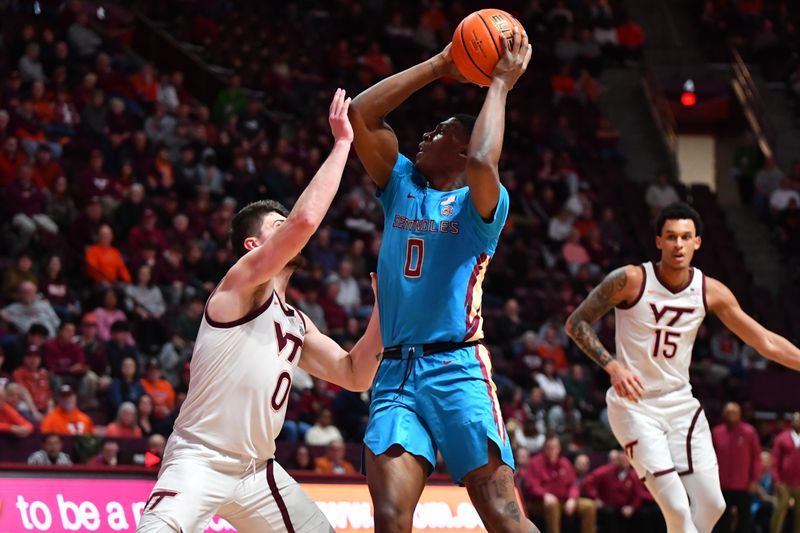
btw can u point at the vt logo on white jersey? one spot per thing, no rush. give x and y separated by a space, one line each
667 338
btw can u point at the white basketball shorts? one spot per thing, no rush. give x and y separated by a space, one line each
195 483
663 434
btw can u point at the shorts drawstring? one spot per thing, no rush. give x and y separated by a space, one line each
406 373
251 466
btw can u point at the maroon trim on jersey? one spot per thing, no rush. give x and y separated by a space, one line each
690 470
276 495
625 305
473 325
705 302
245 319
287 309
679 289
664 472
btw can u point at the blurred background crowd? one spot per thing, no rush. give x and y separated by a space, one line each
118 184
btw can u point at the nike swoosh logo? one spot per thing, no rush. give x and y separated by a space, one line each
411 196
447 362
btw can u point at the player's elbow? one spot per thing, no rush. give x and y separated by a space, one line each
570 325
304 222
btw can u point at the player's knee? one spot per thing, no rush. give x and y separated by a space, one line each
389 513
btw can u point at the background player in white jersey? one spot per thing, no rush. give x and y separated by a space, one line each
219 459
660 425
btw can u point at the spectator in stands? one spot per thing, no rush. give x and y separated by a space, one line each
30 67
786 475
82 39
60 205
22 271
11 421
179 349
615 489
631 39
65 418
739 458
67 363
549 348
528 436
764 497
310 306
29 310
104 263
26 205
108 456
349 295
12 157
18 397
301 459
34 378
565 420
560 227
782 197
333 462
551 491
230 101
94 349
578 384
96 182
323 432
158 389
156 444
127 387
582 465
50 454
45 169
550 383
145 303
57 291
335 314
660 194
124 426
767 181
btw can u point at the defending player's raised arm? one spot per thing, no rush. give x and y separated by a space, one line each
774 347
620 286
324 359
375 141
486 141
261 264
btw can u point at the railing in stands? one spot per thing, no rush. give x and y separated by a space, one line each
752 105
662 115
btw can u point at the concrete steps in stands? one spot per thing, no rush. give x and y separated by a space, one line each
754 240
623 101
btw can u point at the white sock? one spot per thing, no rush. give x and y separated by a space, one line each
671 497
706 498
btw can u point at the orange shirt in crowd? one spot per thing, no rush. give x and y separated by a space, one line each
163 396
555 354
116 430
630 35
146 89
9 166
104 264
38 384
562 84
10 417
323 465
76 422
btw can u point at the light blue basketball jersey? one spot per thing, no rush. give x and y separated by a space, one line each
433 258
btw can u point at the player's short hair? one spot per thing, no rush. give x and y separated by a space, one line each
247 222
679 211
467 121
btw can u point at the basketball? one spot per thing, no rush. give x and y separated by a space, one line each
477 43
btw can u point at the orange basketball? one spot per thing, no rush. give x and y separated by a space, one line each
477 45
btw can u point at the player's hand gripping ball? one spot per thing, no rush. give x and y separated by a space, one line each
478 43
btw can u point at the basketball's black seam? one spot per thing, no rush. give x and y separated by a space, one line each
466 50
499 55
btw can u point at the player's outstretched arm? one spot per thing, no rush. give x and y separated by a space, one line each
774 347
620 286
486 141
324 359
262 263
375 141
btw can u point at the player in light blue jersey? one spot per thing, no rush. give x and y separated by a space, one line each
444 213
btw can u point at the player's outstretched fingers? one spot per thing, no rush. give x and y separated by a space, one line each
332 108
517 44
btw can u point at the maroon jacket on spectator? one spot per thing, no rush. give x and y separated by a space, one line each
59 356
146 233
786 460
606 484
541 477
738 455
24 197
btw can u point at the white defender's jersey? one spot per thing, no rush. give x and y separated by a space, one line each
241 377
655 334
